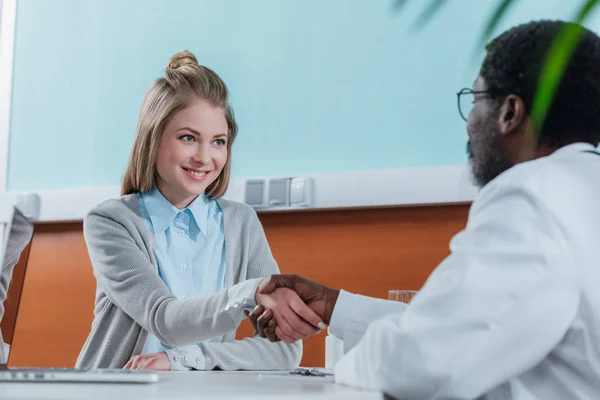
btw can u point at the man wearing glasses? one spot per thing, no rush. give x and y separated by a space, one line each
514 311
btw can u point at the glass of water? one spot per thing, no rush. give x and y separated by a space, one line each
404 296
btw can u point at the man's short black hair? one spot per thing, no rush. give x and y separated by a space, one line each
513 65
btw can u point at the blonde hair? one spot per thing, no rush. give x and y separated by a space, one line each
185 80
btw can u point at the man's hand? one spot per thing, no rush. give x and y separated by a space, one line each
294 318
260 320
154 361
319 298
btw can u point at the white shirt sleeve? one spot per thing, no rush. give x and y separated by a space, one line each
353 314
493 309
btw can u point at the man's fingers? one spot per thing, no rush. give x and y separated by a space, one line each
270 331
269 286
128 365
266 316
253 316
258 310
263 321
307 314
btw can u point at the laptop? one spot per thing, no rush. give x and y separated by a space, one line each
18 237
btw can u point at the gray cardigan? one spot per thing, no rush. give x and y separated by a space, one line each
132 300
19 236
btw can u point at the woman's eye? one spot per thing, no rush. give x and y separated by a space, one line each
187 138
220 142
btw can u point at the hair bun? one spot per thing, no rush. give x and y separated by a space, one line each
182 58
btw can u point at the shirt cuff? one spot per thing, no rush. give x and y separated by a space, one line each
185 359
341 314
242 298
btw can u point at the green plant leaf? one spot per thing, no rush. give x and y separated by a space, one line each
556 63
495 18
427 14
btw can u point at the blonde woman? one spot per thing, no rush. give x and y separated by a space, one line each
177 266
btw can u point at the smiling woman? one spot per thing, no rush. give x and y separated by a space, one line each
185 123
175 264
192 152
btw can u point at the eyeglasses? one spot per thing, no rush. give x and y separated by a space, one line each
466 102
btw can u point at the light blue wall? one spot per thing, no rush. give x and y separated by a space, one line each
317 85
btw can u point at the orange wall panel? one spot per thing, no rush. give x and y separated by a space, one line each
365 251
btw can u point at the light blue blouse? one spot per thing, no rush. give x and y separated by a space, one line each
190 248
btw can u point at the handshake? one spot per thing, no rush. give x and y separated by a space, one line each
291 308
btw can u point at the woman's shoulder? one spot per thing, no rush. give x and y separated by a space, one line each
236 209
119 209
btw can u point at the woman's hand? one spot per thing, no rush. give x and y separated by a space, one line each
295 320
154 361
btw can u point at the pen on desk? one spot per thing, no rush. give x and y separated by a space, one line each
286 377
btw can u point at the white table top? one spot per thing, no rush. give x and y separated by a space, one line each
196 384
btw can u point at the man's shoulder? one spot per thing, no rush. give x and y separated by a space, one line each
535 176
545 182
